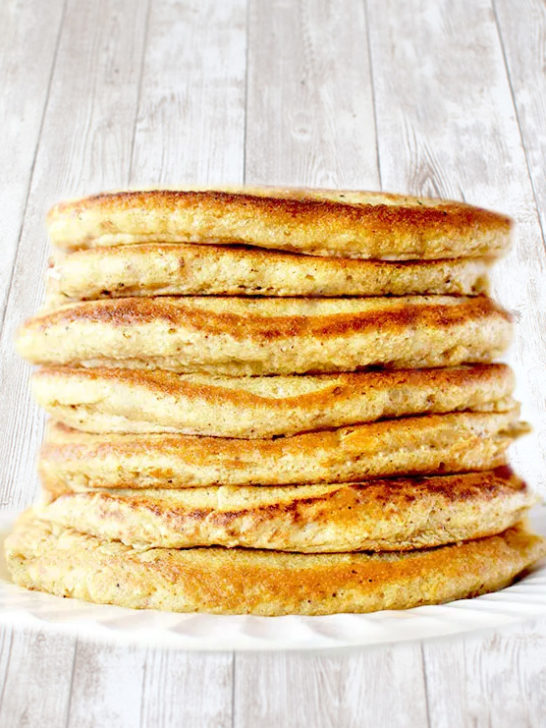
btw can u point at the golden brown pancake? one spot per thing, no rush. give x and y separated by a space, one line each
415 445
381 515
245 336
162 269
372 225
63 561
126 400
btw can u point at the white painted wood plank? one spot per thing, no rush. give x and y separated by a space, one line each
89 703
192 103
24 80
36 682
85 146
6 636
193 690
495 680
309 104
447 126
382 687
522 28
106 686
190 128
310 121
305 682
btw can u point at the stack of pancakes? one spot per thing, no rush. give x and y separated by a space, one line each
273 401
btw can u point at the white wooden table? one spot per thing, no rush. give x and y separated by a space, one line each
426 96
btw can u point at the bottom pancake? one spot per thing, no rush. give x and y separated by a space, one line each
238 581
383 515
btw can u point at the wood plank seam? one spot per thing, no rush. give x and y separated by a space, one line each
428 676
245 120
129 175
3 690
425 681
139 90
372 86
31 175
233 677
70 689
143 684
516 112
247 32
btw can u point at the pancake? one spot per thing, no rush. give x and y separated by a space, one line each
125 400
317 222
163 269
414 445
381 515
62 561
244 336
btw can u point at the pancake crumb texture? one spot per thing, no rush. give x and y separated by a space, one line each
417 445
65 562
273 401
382 515
372 225
245 336
168 270
146 401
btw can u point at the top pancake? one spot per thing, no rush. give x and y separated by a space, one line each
369 225
246 336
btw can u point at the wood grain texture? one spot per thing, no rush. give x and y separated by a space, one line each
190 125
522 30
86 139
309 114
24 79
106 686
496 679
311 123
190 128
345 690
190 689
6 639
156 92
35 674
85 144
450 129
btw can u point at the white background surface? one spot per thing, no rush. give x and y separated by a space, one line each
431 97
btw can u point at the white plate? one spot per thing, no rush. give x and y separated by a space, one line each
524 599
